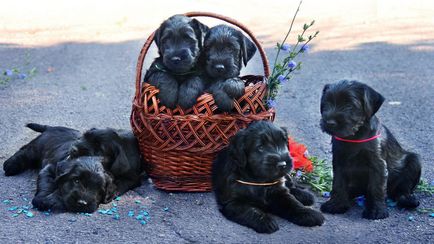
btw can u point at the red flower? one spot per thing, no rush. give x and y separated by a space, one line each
298 154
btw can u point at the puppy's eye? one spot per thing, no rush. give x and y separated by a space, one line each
260 148
76 181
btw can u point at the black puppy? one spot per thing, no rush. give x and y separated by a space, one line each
225 50
121 150
367 159
179 40
250 180
64 184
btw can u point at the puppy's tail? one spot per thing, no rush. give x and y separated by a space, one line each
37 127
407 182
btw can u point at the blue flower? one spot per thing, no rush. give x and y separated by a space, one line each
285 47
432 183
298 173
305 48
8 72
22 76
326 194
282 79
271 103
360 201
292 64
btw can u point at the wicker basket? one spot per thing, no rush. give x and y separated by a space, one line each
180 145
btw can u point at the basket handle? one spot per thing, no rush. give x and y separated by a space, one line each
198 14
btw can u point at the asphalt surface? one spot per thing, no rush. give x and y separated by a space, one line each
84 85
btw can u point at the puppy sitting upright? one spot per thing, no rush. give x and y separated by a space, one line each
179 40
367 159
250 180
225 50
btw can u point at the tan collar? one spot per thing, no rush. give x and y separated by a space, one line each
260 183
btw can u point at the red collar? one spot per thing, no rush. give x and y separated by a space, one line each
358 141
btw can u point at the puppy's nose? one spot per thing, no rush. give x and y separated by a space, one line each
281 164
82 202
219 68
175 58
331 123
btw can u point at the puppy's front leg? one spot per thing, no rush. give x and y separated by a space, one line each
376 195
234 87
339 201
47 195
221 98
283 204
168 87
245 214
302 195
189 91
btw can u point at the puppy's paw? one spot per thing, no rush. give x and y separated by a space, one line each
41 204
225 105
408 202
265 225
308 217
168 100
305 197
186 102
234 87
375 213
11 167
334 207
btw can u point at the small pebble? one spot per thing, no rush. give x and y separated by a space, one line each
22 76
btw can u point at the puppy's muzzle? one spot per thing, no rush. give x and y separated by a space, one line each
219 68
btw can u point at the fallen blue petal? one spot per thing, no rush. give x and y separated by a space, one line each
166 209
139 217
360 201
410 218
137 201
15 215
30 214
47 213
8 72
6 201
12 208
390 203
22 76
117 198
116 217
114 204
131 213
326 194
145 213
431 215
142 222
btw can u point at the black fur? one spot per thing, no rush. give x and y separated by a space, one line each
225 51
79 182
179 40
260 154
121 149
376 168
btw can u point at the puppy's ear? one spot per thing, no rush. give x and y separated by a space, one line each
157 35
63 168
324 90
237 149
109 188
248 48
285 132
120 162
200 30
326 87
372 101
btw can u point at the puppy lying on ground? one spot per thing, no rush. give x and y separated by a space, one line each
225 50
367 159
250 180
79 182
179 40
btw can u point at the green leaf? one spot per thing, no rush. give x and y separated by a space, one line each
300 38
305 27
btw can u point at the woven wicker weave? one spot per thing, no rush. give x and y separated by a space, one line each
179 145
